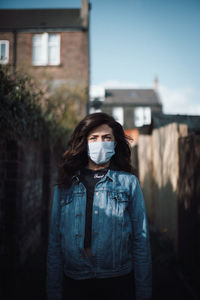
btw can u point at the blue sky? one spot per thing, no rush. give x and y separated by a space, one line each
132 41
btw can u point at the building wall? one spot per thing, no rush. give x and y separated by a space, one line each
73 71
107 109
129 121
74 66
129 117
23 50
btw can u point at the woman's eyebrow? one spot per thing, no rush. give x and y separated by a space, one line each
93 135
106 135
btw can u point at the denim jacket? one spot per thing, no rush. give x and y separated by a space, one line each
120 237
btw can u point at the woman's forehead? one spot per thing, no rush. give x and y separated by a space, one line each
102 129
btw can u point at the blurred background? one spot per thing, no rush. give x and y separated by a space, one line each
136 60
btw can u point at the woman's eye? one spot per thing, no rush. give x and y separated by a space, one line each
108 138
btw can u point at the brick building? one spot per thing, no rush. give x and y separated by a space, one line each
48 42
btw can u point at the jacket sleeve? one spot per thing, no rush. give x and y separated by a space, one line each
142 261
54 276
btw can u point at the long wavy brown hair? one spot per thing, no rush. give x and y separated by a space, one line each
76 155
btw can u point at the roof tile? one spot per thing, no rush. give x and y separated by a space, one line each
39 18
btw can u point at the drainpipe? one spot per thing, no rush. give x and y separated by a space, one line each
85 17
14 50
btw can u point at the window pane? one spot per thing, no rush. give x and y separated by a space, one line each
3 51
138 116
54 38
118 114
40 49
142 116
93 110
37 50
46 49
147 115
37 39
52 54
54 49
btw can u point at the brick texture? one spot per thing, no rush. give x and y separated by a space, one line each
74 60
74 66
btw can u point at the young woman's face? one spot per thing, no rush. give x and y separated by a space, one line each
102 133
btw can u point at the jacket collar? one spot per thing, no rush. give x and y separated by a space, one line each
110 174
75 177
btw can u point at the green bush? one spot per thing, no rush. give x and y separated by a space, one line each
21 112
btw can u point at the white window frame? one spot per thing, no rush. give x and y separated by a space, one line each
93 110
45 44
142 116
118 114
6 60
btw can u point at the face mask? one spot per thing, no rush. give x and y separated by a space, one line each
101 152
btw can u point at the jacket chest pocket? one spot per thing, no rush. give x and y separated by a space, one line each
69 207
71 203
118 203
66 203
66 199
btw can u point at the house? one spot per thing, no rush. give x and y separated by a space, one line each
49 42
132 108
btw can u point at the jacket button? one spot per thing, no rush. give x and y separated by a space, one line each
78 235
79 215
96 212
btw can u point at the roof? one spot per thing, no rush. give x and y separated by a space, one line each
33 19
132 96
192 122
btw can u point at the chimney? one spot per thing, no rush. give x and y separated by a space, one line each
84 13
155 83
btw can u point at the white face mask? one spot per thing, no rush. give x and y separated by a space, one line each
101 152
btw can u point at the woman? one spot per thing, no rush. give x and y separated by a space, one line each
99 240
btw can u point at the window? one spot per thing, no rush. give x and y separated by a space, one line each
46 49
4 52
93 110
118 114
142 116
